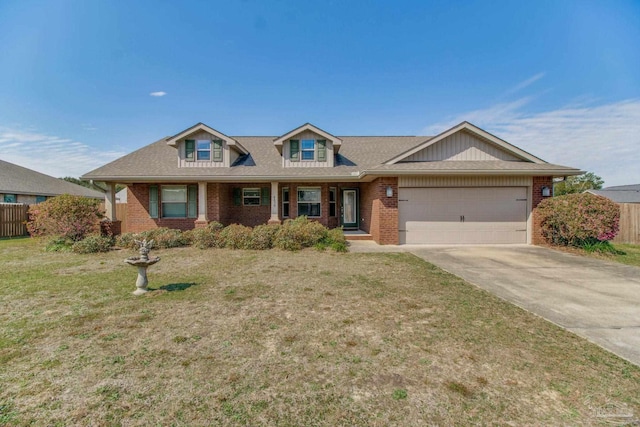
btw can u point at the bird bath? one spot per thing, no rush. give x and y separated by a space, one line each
142 262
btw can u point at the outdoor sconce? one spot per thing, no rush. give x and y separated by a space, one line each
546 192
389 191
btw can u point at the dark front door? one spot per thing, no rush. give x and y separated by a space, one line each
349 209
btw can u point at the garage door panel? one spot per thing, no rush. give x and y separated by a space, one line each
463 215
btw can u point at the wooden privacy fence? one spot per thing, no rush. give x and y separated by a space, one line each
13 219
629 224
121 215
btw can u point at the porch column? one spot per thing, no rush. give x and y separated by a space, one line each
110 201
202 204
111 225
275 203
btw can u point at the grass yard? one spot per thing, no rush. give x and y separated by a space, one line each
626 253
285 339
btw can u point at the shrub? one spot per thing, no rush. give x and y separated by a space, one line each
334 239
299 233
236 236
578 219
126 240
59 244
71 217
203 238
262 236
93 244
164 237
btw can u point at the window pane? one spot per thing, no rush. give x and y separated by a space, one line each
315 209
308 144
174 193
204 144
251 192
309 195
174 210
285 194
204 155
303 209
307 155
285 209
10 198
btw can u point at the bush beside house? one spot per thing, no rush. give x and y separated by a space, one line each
580 220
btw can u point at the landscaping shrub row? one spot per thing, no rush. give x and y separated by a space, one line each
292 235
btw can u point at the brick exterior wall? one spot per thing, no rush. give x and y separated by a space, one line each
380 213
538 183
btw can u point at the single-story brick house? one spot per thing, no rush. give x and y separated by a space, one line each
464 185
26 186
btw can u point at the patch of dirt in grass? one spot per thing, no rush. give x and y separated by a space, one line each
279 338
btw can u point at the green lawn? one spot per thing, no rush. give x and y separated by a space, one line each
278 338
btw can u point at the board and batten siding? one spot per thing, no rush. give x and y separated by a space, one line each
464 181
286 153
183 163
461 146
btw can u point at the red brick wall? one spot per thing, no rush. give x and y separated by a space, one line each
380 213
538 183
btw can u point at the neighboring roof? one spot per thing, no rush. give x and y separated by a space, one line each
620 193
469 127
16 179
359 156
121 196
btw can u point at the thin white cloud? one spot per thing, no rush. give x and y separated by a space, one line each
604 139
526 83
51 155
160 93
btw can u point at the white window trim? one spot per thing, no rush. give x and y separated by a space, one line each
198 150
185 203
319 202
258 197
308 150
287 202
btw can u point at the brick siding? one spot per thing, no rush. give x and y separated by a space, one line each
538 182
380 213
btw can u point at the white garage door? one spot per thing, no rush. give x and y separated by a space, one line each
463 215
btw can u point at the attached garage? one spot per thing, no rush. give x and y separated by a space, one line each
463 215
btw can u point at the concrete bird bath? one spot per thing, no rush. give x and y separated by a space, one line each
142 262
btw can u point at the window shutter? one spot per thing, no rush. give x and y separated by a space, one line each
216 147
265 199
322 150
153 201
294 150
237 196
192 201
190 150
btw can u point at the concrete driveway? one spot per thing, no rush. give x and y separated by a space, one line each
595 299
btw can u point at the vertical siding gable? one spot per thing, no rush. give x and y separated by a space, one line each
224 151
462 146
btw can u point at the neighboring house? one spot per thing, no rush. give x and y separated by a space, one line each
121 196
620 193
628 198
462 186
22 185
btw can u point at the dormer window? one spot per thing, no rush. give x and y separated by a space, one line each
308 150
204 149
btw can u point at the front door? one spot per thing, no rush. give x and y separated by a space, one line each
349 209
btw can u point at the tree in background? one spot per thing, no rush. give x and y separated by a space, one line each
578 184
90 185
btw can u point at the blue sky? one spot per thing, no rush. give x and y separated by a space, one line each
560 79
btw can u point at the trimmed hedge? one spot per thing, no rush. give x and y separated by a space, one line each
293 235
579 219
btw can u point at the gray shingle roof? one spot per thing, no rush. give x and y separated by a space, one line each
620 194
16 179
358 154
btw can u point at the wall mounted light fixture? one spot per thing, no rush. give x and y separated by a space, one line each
546 192
389 191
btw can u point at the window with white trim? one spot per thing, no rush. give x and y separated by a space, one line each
333 191
308 149
203 147
178 201
251 196
309 201
285 202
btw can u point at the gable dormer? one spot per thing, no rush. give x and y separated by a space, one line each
203 146
464 142
308 146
